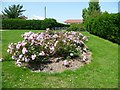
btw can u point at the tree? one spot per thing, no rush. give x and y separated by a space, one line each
93 6
13 11
92 11
84 13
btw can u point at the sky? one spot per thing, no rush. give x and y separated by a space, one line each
60 11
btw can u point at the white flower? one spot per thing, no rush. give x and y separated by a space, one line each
1 59
42 53
71 54
52 49
20 56
85 38
73 32
24 50
8 50
31 37
64 41
85 49
18 63
39 37
33 57
23 59
18 46
23 43
84 58
10 46
13 57
47 29
27 59
55 43
25 37
55 36
35 35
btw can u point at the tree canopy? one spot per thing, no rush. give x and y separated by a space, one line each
92 11
13 11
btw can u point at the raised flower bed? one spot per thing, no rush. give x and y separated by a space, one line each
50 51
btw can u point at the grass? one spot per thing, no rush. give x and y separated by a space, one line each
102 72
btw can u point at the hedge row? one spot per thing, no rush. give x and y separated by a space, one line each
105 26
76 27
30 24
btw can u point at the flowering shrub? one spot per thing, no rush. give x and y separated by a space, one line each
38 46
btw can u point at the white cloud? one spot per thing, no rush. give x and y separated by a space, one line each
36 18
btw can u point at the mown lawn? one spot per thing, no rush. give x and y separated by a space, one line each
102 72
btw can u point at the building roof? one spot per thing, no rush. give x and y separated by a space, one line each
73 21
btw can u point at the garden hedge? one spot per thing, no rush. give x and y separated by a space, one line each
105 26
76 27
30 24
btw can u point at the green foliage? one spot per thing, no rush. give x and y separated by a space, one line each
93 6
21 24
92 11
106 26
84 13
48 23
102 72
76 27
13 11
30 24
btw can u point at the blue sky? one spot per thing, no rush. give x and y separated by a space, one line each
61 11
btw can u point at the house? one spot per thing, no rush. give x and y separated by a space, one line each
70 21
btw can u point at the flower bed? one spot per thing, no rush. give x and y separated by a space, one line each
40 47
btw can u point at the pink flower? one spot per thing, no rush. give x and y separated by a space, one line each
20 56
42 53
24 50
51 48
27 59
33 57
18 46
23 44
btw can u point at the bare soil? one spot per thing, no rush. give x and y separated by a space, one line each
57 64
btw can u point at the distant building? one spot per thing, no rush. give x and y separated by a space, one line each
70 21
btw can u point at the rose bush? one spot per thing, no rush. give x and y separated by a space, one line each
40 46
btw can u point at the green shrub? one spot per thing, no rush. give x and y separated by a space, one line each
105 26
40 46
76 27
21 24
48 23
30 24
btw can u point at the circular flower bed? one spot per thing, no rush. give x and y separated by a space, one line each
49 47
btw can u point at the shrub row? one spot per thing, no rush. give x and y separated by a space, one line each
30 24
105 26
76 27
